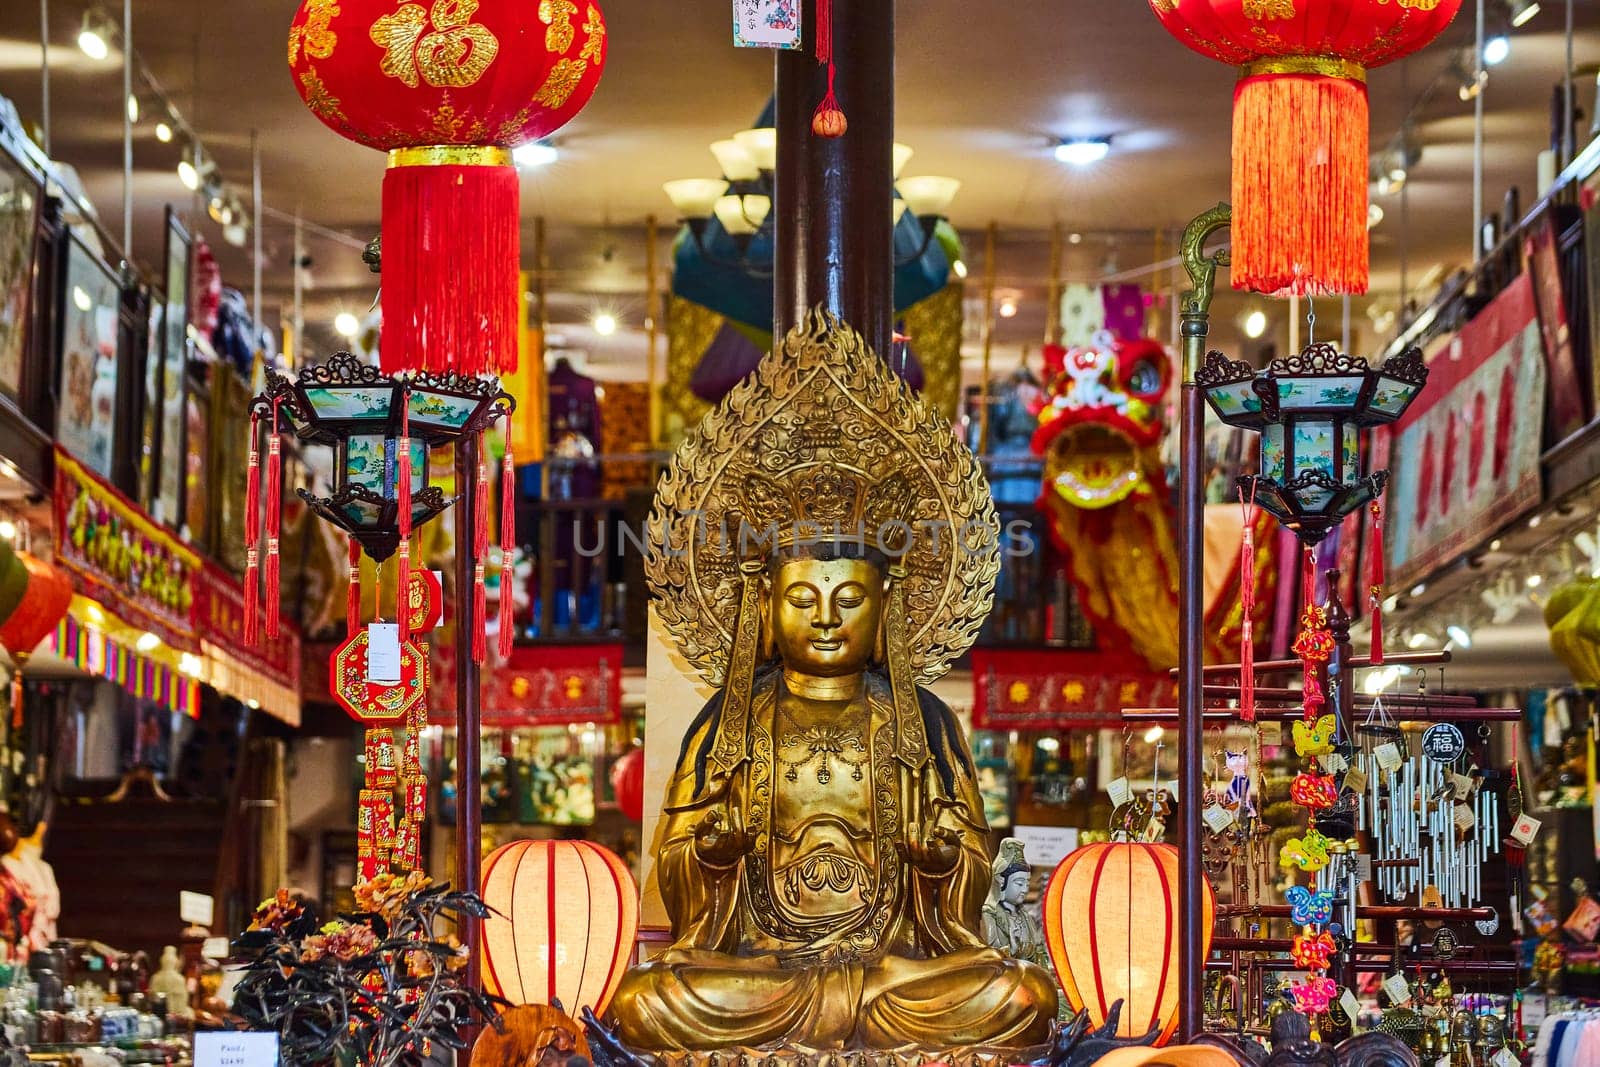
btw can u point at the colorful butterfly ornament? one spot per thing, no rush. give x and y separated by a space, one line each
1313 951
1309 907
1309 853
1314 791
1315 738
1314 995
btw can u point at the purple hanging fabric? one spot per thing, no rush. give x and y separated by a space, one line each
1124 311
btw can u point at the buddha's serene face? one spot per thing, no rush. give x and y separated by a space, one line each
1016 888
825 615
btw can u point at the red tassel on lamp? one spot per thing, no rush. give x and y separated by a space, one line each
252 535
274 520
1300 126
508 537
352 604
402 589
1375 581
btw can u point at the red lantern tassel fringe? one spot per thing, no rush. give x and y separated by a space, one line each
1247 609
1375 582
252 535
402 588
352 604
1300 184
274 518
829 119
451 249
480 549
508 537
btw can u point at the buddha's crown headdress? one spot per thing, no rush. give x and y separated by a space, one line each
821 504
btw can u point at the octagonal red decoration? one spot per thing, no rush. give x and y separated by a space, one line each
448 88
376 703
1300 125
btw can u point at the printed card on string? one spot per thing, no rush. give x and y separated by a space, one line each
1388 757
1218 818
766 24
1397 988
1119 791
1351 1006
1525 830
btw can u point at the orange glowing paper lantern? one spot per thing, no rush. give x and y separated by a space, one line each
1111 924
566 916
448 88
1300 125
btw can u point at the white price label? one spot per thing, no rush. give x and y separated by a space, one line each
223 1048
1388 757
1351 1006
1525 829
1506 1058
1397 989
1119 791
1333 763
383 652
1218 818
1363 868
1463 785
1464 819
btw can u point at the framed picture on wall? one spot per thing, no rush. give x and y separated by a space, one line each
197 481
91 299
150 403
21 194
172 466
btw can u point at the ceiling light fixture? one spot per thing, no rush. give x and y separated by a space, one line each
148 642
1083 151
1154 734
604 323
960 268
346 325
8 529
1074 238
1374 215
94 39
1419 639
1496 50
1460 635
163 133
534 154
1535 581
188 175
1255 324
1522 11
133 108
1008 308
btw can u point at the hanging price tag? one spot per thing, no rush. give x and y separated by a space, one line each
1155 831
383 652
1525 829
1218 818
1388 757
1333 763
1463 785
1505 1058
1397 989
1464 819
1351 1006
766 24
1355 780
1363 868
1119 792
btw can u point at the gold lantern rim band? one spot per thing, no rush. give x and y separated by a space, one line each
450 155
1326 66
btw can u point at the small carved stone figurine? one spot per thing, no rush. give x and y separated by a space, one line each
1008 924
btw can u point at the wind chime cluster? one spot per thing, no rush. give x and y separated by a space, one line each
382 430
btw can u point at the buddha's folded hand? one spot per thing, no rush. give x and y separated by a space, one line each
718 845
934 852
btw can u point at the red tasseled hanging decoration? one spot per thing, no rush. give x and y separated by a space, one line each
352 604
451 249
1375 582
508 537
402 594
252 535
1247 608
829 119
480 549
1300 183
17 690
274 519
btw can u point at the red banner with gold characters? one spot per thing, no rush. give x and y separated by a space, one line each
219 617
121 557
1061 689
541 685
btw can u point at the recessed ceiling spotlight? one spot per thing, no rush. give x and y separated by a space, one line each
604 323
1522 11
960 268
346 325
1008 308
94 39
1255 324
534 154
1496 50
1081 152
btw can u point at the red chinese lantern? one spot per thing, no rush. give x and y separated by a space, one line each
565 919
1300 125
448 89
46 596
1111 923
627 780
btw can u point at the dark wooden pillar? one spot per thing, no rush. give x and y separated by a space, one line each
834 230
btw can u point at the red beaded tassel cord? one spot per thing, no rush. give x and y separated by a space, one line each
274 520
352 602
829 119
252 535
1375 581
1247 607
480 549
402 588
508 538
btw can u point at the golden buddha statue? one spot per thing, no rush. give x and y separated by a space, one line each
821 544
